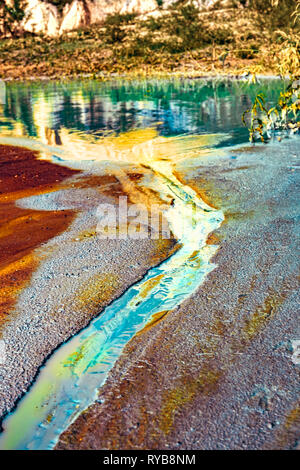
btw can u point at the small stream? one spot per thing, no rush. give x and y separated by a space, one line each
68 382
70 379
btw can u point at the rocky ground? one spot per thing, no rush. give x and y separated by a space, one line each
219 371
55 274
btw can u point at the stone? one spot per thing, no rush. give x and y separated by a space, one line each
41 17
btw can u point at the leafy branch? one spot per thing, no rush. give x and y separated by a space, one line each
285 115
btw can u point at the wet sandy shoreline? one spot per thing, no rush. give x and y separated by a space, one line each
22 174
218 372
56 274
219 75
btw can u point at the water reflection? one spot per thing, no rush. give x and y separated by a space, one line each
42 110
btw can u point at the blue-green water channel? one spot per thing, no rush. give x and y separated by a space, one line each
43 115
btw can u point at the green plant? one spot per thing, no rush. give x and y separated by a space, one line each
184 30
273 14
247 52
285 115
115 26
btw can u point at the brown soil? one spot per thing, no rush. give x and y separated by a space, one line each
23 230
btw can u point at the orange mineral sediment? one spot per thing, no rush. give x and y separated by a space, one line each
22 174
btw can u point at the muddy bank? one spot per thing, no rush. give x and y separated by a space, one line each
218 372
56 275
21 230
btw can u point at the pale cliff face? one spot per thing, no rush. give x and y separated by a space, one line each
80 13
43 17
75 15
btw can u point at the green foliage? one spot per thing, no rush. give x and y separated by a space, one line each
115 26
284 116
11 16
180 38
257 112
184 30
247 52
273 14
184 25
178 30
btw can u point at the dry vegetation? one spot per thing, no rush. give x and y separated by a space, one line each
247 36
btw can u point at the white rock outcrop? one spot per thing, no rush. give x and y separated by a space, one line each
74 16
41 17
140 6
